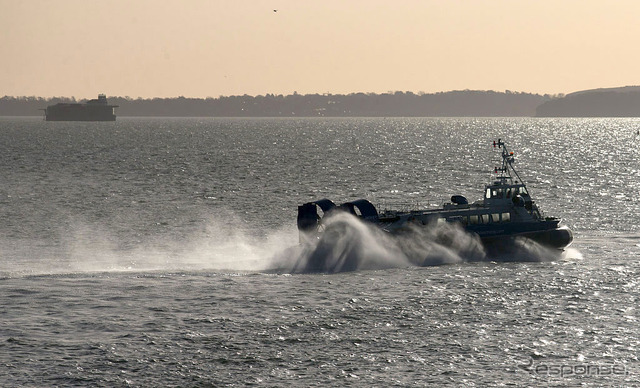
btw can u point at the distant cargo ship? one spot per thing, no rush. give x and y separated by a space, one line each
93 110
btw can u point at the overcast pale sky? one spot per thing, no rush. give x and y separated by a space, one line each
200 48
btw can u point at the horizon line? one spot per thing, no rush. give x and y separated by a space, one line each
295 93
419 93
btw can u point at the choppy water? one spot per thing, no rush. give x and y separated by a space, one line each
139 253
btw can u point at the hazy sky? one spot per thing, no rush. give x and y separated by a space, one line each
196 48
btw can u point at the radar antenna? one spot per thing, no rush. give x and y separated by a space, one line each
506 168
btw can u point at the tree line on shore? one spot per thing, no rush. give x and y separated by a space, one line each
455 103
619 102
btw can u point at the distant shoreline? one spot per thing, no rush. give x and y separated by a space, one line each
613 102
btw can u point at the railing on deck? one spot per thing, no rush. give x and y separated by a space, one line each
404 207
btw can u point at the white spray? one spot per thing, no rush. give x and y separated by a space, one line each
228 244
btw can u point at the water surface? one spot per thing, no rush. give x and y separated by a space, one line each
134 253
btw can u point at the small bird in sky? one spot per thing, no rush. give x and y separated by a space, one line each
275 10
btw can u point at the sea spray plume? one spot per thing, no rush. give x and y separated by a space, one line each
226 243
447 243
348 244
220 243
234 247
439 243
572 254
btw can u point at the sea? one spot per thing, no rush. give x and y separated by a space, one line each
160 252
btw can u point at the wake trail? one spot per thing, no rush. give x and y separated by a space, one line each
228 245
